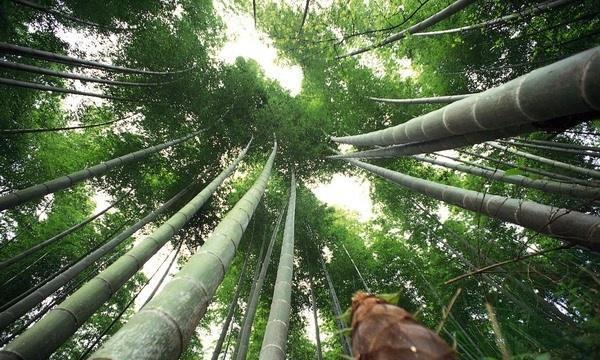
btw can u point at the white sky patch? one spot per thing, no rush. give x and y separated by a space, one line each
349 193
244 40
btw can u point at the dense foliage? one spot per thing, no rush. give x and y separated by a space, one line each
543 304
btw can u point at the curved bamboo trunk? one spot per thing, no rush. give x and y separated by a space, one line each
568 225
430 21
62 234
559 164
4 132
556 187
304 16
60 279
550 147
276 333
451 142
66 75
337 310
567 88
486 24
169 320
42 87
549 175
313 302
231 308
105 331
49 56
56 13
43 338
36 191
241 347
366 287
425 100
556 144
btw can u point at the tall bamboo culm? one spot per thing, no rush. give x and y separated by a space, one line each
164 326
241 346
39 341
567 88
275 339
568 225
63 182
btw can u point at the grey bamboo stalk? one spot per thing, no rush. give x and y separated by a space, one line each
42 87
40 340
568 225
430 21
304 16
313 302
566 88
486 24
39 246
556 187
65 75
424 100
337 310
549 175
170 319
276 333
559 164
41 8
49 56
231 309
550 147
36 191
164 275
356 268
241 347
556 144
451 142
5 132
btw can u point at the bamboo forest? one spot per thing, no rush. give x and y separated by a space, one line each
301 179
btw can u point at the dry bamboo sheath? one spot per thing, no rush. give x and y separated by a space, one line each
44 337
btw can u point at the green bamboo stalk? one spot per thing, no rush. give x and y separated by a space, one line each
562 149
40 340
49 56
549 175
566 88
337 310
36 191
313 302
39 70
568 225
39 246
232 306
486 24
559 164
556 144
430 21
366 287
451 142
24 305
550 186
164 326
241 347
424 100
42 87
56 13
276 333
